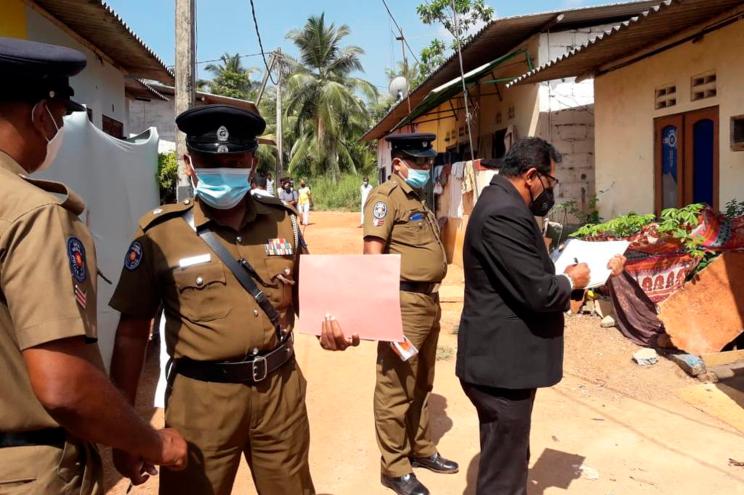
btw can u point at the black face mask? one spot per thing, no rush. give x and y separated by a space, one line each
543 203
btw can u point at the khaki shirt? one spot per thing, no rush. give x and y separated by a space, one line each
395 213
209 315
48 283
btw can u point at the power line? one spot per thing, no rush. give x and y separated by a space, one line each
400 31
260 44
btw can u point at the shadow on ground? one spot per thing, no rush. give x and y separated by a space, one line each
439 422
553 469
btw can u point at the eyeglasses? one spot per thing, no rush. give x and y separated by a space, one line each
554 182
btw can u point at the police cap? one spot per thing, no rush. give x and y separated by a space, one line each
221 129
416 144
33 71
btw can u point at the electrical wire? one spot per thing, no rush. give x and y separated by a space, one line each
260 44
202 62
400 31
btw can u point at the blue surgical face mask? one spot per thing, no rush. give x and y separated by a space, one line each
417 178
222 188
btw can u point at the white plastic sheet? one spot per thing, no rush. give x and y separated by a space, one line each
117 180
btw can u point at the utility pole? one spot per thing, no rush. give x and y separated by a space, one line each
279 135
185 83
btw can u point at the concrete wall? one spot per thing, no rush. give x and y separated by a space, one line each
625 114
100 86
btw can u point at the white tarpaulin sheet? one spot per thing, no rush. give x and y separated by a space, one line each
117 180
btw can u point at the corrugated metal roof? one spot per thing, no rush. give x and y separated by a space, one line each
649 28
101 26
498 38
141 88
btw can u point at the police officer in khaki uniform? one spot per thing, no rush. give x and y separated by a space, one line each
55 399
396 220
234 385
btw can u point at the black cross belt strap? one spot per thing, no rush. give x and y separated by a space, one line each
241 269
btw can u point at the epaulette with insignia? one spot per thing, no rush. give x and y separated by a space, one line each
162 213
386 188
274 201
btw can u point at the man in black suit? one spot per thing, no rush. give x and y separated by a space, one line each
511 333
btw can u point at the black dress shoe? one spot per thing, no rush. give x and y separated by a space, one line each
436 463
404 485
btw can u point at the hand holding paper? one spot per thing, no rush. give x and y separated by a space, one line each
599 256
332 338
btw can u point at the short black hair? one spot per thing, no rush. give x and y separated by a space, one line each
529 153
260 181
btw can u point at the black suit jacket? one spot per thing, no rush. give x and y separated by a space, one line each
511 330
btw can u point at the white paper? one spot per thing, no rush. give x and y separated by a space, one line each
595 254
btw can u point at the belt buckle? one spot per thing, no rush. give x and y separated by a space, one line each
259 369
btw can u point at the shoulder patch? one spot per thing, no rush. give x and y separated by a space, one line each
161 213
380 210
133 257
76 256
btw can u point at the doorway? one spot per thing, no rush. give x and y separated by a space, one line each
686 159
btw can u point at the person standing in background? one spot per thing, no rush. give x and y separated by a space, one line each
270 183
364 191
287 194
304 202
397 221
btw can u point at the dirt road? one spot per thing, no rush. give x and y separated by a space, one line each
609 428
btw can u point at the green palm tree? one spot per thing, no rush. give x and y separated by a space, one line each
324 99
231 78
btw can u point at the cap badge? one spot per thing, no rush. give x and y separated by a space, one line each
222 149
222 134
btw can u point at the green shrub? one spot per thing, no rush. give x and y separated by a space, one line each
167 176
342 195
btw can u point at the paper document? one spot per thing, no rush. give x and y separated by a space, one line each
595 254
361 291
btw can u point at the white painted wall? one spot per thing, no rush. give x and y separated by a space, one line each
100 86
625 114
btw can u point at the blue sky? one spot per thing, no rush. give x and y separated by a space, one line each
227 26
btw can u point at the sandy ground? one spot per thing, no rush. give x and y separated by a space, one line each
622 423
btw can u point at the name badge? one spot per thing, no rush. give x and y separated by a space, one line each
278 247
415 217
194 260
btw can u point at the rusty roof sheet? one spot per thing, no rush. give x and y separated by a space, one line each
96 22
498 38
140 88
651 27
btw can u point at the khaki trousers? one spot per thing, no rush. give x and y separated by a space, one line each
402 387
266 422
74 469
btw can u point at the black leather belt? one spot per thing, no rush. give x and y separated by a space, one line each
251 371
54 437
419 287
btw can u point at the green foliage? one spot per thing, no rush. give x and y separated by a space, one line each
230 78
679 222
734 208
324 108
470 14
675 222
622 226
167 176
341 195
